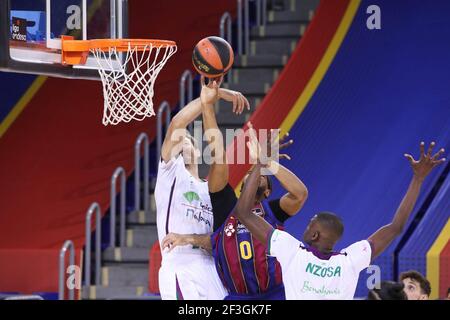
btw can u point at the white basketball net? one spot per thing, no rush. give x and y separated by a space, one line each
128 79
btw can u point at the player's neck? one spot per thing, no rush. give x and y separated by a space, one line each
193 170
320 248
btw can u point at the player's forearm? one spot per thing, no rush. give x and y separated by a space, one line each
289 180
383 237
172 142
247 198
407 205
257 226
212 133
200 240
187 114
218 171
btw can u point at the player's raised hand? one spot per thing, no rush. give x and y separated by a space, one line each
210 92
239 101
253 146
426 162
274 143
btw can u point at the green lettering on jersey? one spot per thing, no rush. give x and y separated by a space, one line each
323 272
337 272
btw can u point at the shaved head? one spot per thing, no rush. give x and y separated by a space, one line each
331 222
324 230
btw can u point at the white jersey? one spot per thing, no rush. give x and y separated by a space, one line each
306 276
183 204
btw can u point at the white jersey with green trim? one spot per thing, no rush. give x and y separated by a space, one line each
183 204
309 277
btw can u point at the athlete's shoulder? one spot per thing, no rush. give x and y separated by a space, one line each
359 254
358 247
176 160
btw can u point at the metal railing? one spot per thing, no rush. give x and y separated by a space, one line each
243 22
24 297
94 208
186 76
261 12
142 138
68 245
119 172
225 22
239 27
164 106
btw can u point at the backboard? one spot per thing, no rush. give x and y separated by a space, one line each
30 33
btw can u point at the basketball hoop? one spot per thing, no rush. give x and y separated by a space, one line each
128 69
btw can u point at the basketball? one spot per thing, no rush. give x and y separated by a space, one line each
212 57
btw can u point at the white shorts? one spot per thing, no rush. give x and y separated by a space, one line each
190 277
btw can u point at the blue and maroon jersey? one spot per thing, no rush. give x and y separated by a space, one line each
241 260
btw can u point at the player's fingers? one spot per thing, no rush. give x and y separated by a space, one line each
166 242
210 83
238 103
438 154
234 105
252 134
241 103
219 81
202 81
409 157
438 162
272 136
430 148
286 144
284 137
246 103
422 149
250 147
284 156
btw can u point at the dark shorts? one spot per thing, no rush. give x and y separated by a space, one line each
276 293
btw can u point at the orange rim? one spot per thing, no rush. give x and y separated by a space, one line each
120 45
77 51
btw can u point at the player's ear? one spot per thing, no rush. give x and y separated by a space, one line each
315 236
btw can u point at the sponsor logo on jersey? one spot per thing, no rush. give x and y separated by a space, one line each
322 271
229 229
205 207
241 228
198 216
191 196
308 288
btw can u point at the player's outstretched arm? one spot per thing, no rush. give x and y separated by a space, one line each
297 193
421 168
173 240
172 144
218 170
257 226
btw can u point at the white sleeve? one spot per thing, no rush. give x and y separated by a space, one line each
170 168
282 246
359 255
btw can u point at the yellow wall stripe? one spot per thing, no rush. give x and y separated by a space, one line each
21 104
433 259
322 68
